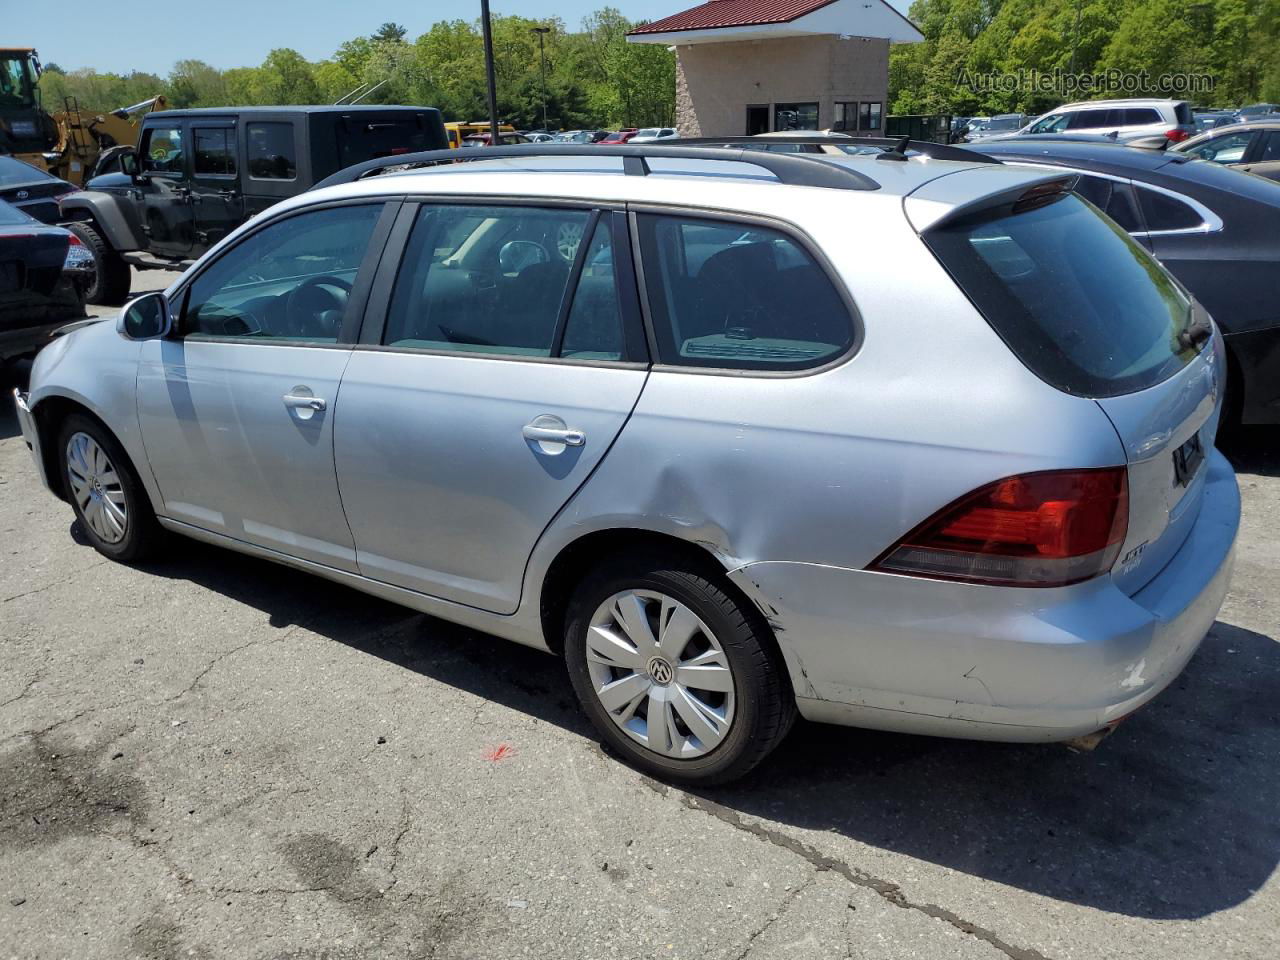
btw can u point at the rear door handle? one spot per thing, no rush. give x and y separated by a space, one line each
307 403
567 436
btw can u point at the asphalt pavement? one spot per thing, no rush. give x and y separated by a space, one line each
214 756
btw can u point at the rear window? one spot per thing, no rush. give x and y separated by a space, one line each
11 215
16 173
361 139
1072 295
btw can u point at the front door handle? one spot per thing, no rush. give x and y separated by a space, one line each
306 403
567 436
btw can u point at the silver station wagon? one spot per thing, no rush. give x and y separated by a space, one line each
914 444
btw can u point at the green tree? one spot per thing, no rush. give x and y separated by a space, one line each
194 83
285 77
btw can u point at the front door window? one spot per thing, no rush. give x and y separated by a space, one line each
162 151
290 281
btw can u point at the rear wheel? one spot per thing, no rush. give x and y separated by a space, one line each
679 676
110 283
105 492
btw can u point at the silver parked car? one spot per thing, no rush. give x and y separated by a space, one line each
948 470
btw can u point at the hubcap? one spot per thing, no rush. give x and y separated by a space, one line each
660 673
97 488
568 236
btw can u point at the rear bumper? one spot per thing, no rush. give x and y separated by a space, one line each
27 423
950 659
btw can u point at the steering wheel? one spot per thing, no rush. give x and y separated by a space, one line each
309 300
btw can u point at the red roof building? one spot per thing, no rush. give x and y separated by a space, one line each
757 66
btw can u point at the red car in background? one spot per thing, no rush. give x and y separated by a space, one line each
620 136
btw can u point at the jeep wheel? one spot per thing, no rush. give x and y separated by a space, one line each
110 283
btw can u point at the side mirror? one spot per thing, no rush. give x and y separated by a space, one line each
147 318
129 164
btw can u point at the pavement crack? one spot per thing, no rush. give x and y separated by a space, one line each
774 917
25 690
223 656
66 578
887 890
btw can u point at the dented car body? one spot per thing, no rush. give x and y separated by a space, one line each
475 386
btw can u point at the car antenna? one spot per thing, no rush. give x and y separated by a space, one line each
898 153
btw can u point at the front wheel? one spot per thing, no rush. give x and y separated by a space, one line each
111 279
679 676
105 492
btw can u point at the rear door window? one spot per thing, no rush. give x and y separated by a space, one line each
1071 294
1088 119
215 151
739 295
507 280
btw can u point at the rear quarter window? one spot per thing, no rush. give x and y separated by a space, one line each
1080 303
1163 212
739 296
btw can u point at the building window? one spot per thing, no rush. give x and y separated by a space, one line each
846 117
757 119
795 116
869 116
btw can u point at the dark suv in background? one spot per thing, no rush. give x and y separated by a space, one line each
196 175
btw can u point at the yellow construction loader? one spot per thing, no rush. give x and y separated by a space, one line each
67 143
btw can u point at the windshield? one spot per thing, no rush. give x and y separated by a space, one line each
16 88
1073 296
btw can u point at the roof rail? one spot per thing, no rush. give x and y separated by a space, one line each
790 168
936 151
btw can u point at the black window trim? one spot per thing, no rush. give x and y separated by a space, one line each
378 305
792 232
356 304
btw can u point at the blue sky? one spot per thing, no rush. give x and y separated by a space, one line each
230 33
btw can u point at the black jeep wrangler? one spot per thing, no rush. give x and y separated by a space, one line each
196 175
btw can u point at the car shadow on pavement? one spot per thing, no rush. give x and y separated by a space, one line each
1172 817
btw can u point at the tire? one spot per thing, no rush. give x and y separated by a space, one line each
742 721
94 481
111 279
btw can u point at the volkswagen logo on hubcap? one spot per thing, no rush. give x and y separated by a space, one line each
660 671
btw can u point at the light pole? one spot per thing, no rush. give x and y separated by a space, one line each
542 55
488 70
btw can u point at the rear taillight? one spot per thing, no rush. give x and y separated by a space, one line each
75 241
1032 530
1175 135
